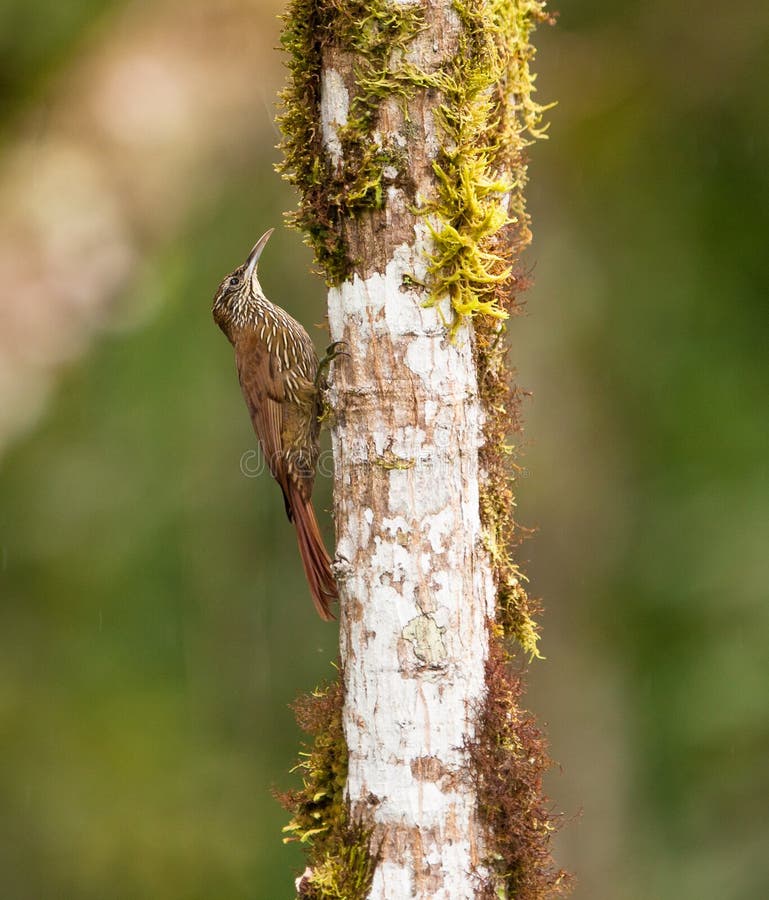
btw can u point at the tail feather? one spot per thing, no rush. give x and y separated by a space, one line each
315 558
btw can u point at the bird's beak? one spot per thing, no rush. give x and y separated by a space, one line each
252 262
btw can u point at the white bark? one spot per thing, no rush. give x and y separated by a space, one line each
416 586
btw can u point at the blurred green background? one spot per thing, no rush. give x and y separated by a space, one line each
154 623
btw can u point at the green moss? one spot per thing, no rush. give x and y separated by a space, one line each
493 120
337 850
487 117
501 399
389 460
479 225
477 217
371 30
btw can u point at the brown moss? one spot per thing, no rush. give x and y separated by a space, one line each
509 758
338 857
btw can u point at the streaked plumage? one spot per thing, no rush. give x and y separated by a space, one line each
277 366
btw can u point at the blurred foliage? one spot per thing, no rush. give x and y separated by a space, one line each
657 182
149 651
35 37
154 623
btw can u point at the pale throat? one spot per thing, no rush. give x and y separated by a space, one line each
250 307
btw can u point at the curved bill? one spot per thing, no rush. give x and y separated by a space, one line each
253 259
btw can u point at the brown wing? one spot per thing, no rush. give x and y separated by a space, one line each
263 394
282 408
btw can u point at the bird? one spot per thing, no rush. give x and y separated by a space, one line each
281 379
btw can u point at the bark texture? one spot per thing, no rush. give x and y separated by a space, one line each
404 128
417 587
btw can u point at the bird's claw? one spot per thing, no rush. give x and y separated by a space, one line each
332 352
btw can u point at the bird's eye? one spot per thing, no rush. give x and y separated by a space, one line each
234 281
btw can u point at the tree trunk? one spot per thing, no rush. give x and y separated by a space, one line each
403 131
417 585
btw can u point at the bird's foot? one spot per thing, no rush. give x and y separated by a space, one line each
332 352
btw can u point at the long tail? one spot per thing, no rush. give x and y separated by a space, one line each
315 559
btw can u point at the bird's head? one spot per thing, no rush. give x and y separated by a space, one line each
239 289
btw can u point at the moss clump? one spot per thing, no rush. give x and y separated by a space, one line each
341 867
501 399
480 226
488 117
509 756
372 30
491 118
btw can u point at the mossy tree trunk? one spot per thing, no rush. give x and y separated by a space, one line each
403 129
417 583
